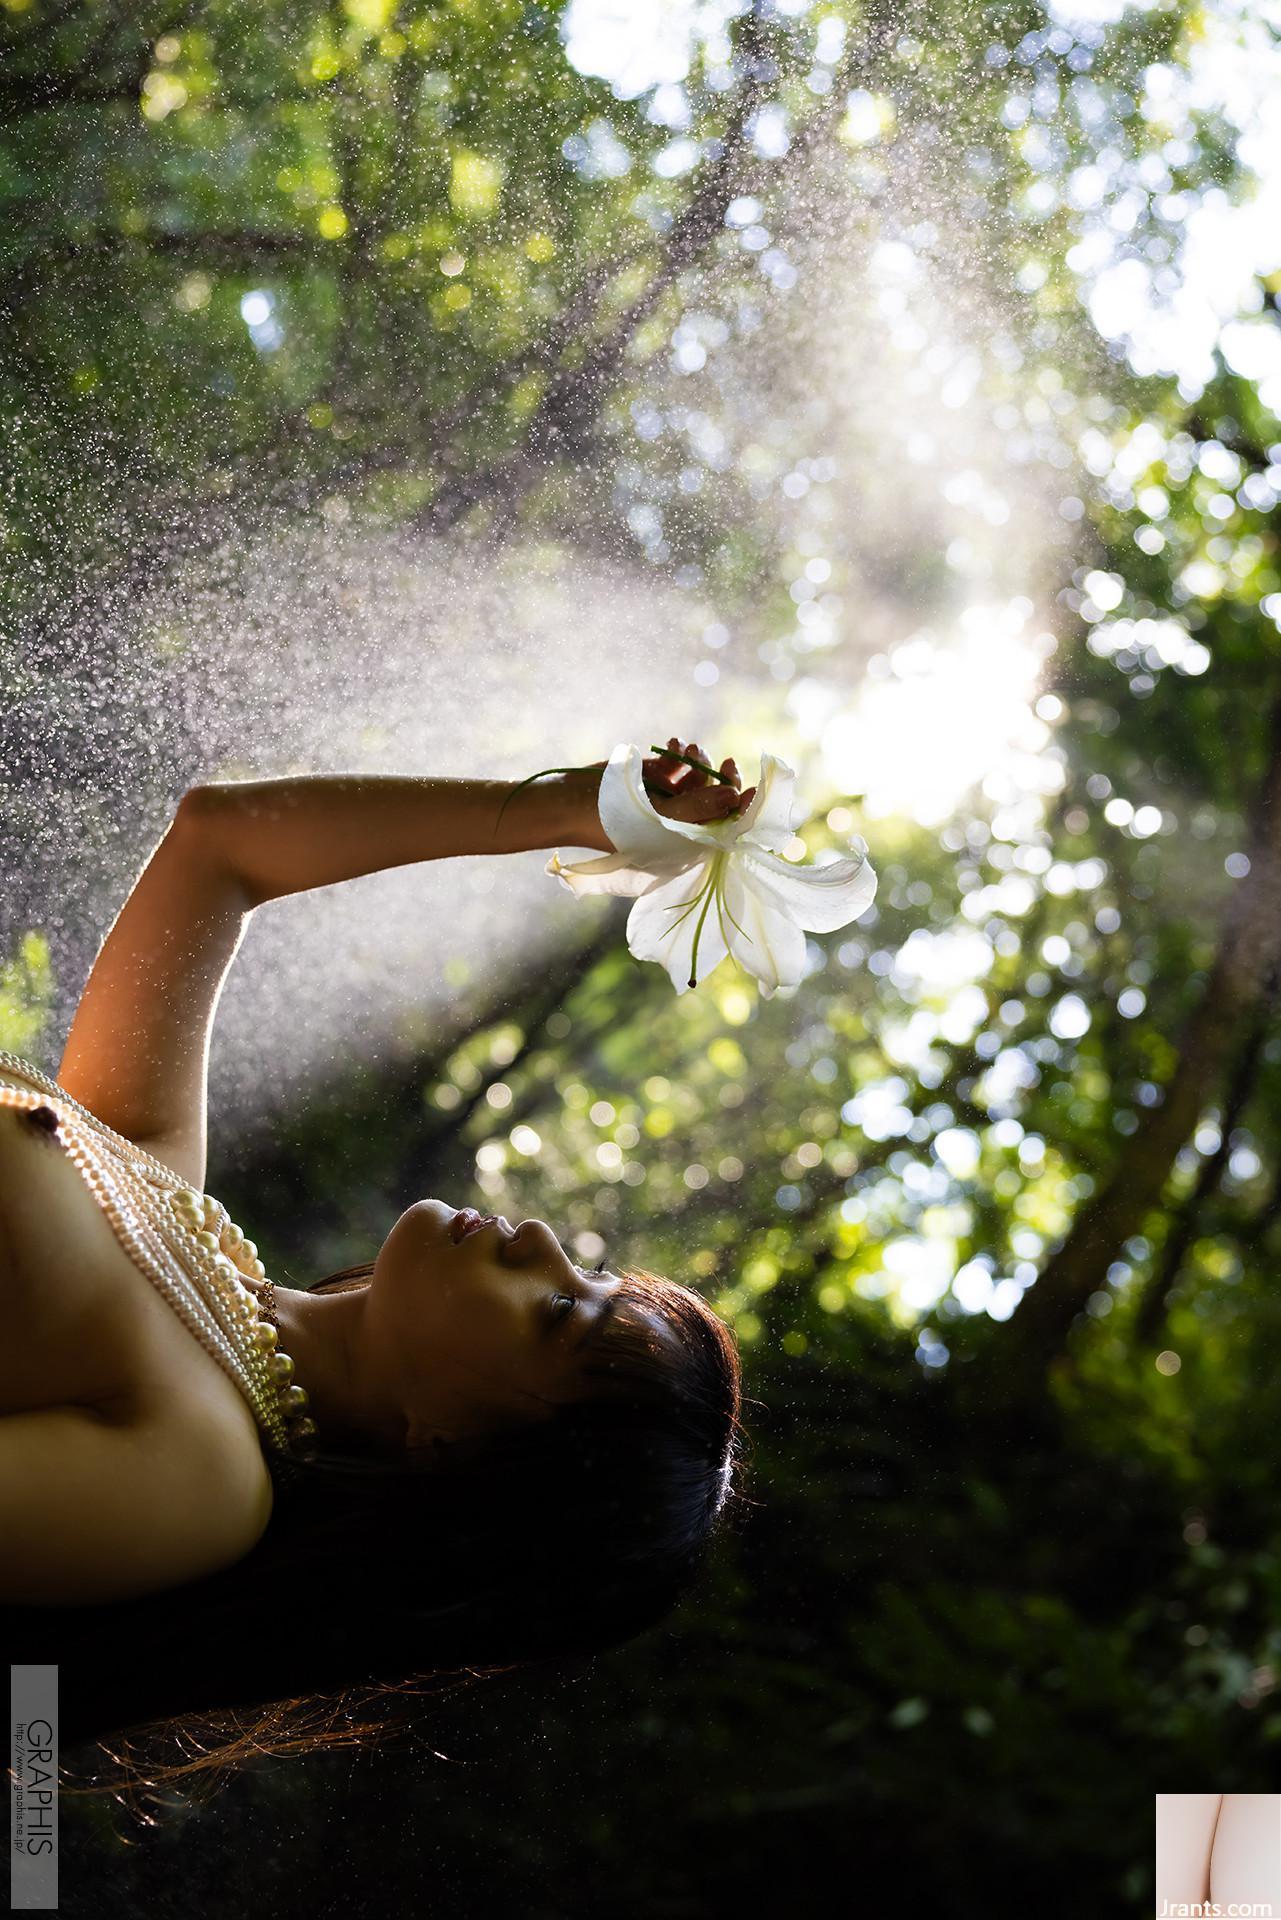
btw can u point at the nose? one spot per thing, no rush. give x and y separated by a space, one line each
527 1231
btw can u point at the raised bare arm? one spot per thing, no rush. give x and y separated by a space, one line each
290 834
287 835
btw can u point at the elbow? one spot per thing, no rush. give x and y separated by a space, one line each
218 829
206 801
194 810
195 818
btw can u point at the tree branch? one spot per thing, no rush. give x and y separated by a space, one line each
43 91
1156 1292
574 395
1249 949
234 244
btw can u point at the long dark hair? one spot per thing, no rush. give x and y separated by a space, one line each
543 1546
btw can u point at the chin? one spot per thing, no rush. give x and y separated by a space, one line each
428 1222
425 1223
432 1209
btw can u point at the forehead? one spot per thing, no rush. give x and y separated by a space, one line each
641 1315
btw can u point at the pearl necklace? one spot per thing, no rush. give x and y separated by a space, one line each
192 1251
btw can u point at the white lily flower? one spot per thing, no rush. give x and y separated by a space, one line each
680 871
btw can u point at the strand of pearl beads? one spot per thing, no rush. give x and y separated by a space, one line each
235 1260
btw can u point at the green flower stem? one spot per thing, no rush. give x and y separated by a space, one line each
700 764
525 783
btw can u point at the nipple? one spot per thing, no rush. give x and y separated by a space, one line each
46 1119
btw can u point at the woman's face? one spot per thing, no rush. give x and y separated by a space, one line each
466 1332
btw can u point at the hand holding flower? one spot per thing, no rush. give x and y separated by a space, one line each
684 787
680 783
705 869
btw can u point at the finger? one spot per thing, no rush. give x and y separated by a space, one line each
698 777
730 771
667 766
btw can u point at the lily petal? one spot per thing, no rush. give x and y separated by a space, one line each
762 936
637 829
767 819
704 891
666 918
612 873
819 898
646 837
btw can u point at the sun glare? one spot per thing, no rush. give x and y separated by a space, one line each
939 714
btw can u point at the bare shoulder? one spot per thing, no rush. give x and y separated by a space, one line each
94 1509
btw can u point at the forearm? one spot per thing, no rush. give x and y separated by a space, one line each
288 835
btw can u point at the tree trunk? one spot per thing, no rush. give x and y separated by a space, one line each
1249 948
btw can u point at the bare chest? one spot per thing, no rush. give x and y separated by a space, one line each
80 1325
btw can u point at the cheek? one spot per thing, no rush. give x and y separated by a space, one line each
488 1320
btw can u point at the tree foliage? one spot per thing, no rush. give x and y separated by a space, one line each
992 1202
